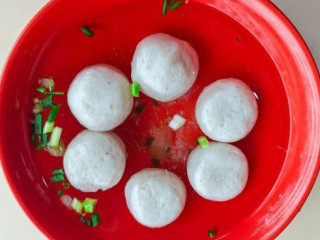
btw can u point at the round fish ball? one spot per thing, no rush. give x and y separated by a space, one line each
227 110
219 172
99 97
155 197
94 161
164 66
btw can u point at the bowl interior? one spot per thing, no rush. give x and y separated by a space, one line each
232 40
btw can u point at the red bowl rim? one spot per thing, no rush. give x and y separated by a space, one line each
266 4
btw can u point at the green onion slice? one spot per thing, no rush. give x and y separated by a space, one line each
41 89
203 142
66 185
47 83
82 219
89 222
212 233
57 171
38 123
95 219
59 193
57 178
45 139
55 137
174 5
135 89
54 93
164 7
47 102
89 205
53 113
77 205
48 127
87 31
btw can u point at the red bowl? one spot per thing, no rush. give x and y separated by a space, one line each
250 40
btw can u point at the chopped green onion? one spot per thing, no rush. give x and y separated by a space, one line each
54 93
203 142
135 89
212 233
40 147
41 89
47 83
66 185
53 113
82 219
174 5
89 205
57 178
37 108
57 151
59 193
40 138
87 31
45 139
140 108
38 123
47 102
55 137
33 138
95 219
149 141
77 205
48 127
36 100
57 171
89 222
165 7
155 162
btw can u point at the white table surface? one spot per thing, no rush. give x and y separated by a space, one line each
14 15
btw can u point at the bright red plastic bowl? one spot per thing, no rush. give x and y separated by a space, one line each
250 40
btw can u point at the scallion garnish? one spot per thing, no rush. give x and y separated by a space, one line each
55 137
95 219
77 205
174 5
57 178
203 142
82 219
54 93
41 89
59 193
45 139
33 138
87 31
48 127
38 123
89 205
135 89
47 102
57 171
53 113
212 233
40 147
89 222
66 185
47 83
164 7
